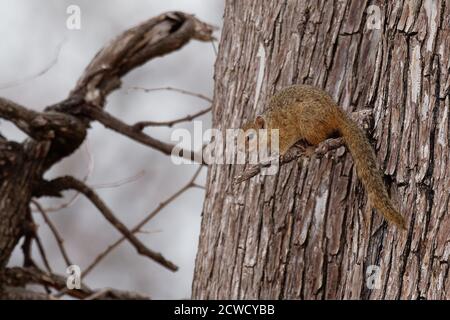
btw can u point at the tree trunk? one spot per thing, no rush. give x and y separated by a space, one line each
308 232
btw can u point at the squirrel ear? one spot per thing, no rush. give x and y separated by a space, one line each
260 122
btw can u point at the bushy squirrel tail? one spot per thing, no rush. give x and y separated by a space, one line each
366 167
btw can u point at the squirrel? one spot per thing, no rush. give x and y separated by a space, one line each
306 113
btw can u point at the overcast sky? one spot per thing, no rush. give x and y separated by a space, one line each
35 38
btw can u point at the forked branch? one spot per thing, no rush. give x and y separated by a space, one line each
111 122
71 183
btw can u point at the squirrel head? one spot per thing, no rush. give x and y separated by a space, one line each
248 138
252 138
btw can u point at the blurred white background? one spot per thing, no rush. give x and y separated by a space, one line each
31 33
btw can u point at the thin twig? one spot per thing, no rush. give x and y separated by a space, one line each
47 68
74 198
138 227
76 195
143 124
98 295
42 252
111 122
119 183
108 293
68 182
195 185
149 231
214 47
182 91
30 233
59 239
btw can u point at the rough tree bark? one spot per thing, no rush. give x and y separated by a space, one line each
308 233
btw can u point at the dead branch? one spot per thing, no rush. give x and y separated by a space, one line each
182 91
17 114
41 72
155 37
26 250
74 198
139 126
42 252
15 278
61 128
137 228
30 234
66 183
58 237
121 182
117 125
293 154
13 293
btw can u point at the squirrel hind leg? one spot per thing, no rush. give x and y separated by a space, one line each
315 136
334 134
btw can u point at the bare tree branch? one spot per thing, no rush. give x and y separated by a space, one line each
26 250
42 252
74 198
30 234
121 182
19 277
65 183
182 91
293 154
41 125
154 37
17 293
59 239
138 227
139 126
61 128
44 70
17 114
115 124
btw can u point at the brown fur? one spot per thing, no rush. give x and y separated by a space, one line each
306 112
